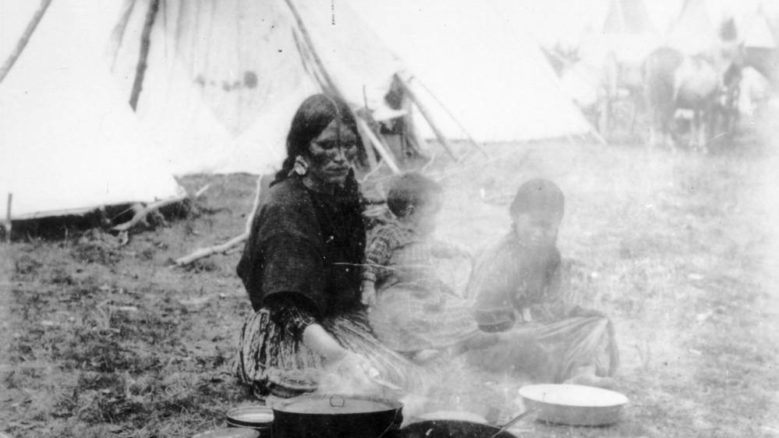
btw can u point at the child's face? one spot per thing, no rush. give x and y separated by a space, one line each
424 216
536 229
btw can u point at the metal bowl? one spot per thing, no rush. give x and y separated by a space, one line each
257 417
228 433
574 405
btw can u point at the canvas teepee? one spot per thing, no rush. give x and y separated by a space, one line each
760 45
694 31
479 64
223 78
68 141
627 34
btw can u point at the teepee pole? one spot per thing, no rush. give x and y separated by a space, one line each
24 39
329 83
465 132
379 146
428 117
143 57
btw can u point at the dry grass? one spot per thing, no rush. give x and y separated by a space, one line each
109 340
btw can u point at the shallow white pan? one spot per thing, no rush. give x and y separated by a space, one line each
575 405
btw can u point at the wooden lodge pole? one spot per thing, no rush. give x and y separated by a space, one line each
467 134
428 116
379 146
143 57
24 39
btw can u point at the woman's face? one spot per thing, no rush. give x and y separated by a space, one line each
332 154
536 229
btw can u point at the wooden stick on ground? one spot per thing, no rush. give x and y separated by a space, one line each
144 210
224 248
205 252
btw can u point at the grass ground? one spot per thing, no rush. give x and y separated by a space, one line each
104 339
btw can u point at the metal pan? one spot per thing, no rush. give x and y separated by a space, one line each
574 405
452 429
445 428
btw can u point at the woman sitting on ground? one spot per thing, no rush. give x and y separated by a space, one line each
412 310
517 288
302 268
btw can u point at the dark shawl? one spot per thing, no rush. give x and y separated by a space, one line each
306 244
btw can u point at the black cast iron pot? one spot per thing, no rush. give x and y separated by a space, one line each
336 416
452 429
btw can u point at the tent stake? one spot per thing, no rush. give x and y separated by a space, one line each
224 248
428 117
7 225
24 39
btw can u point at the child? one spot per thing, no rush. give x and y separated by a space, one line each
412 310
517 287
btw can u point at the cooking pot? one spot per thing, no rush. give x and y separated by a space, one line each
452 429
441 426
336 416
573 405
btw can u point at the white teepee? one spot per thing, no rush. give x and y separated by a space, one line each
69 141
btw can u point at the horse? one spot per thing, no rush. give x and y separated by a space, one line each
673 82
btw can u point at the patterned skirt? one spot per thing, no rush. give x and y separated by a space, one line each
274 361
408 319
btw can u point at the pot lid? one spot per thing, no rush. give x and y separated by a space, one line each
335 404
229 432
572 395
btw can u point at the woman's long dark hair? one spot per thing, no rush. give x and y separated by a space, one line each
311 118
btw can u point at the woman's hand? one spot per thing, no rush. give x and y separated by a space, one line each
352 374
319 340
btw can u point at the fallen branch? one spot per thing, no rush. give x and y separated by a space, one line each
142 211
216 249
226 247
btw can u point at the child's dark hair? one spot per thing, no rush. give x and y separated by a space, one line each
410 191
538 195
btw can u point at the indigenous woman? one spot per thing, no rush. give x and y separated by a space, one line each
518 289
302 266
